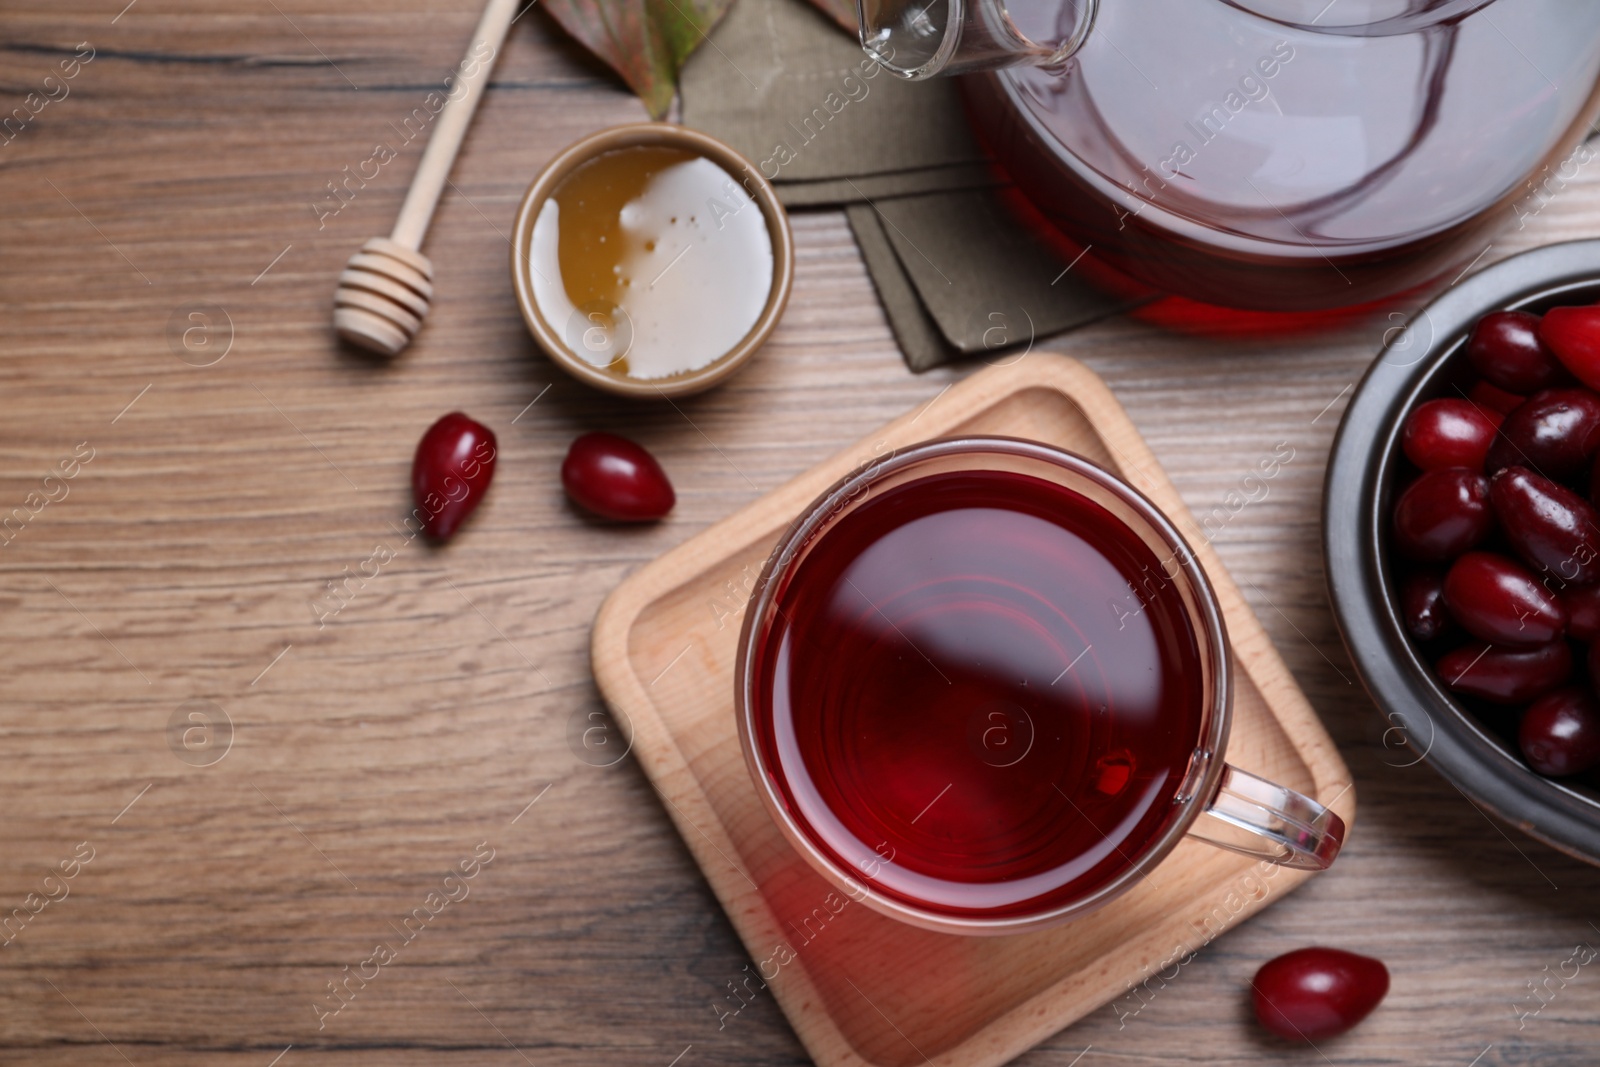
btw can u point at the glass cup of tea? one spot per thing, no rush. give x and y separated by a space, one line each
983 686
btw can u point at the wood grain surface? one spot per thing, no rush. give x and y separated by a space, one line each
406 736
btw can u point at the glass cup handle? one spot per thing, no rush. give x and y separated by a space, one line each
1261 818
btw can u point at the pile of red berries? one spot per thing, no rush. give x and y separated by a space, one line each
1498 536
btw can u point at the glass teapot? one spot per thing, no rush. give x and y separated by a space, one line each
1268 154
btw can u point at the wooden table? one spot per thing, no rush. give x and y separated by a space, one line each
375 753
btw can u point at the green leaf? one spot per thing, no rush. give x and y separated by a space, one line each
645 41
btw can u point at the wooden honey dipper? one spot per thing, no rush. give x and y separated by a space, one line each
387 287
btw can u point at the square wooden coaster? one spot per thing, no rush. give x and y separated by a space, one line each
858 987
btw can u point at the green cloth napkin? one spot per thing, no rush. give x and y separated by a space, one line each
958 275
776 74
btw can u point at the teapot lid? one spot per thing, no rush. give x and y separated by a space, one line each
1360 18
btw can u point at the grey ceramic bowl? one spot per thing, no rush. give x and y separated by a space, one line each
1467 744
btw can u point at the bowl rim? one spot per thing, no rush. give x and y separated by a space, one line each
663 134
1414 358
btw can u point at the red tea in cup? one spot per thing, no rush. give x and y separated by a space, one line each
983 683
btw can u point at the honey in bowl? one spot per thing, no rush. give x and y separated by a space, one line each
651 262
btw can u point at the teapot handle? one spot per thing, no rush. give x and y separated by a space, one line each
919 39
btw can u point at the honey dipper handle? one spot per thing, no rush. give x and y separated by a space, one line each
440 155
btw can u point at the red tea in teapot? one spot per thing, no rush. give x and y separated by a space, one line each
984 693
1270 154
